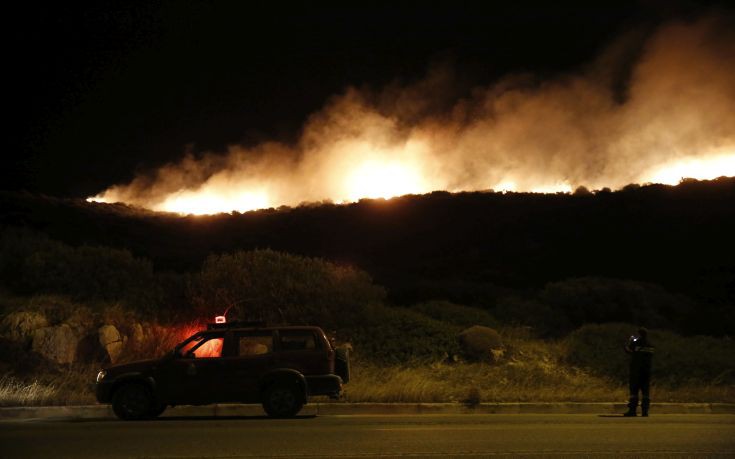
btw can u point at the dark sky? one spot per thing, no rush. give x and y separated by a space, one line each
101 90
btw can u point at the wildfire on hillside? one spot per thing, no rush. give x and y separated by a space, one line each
675 118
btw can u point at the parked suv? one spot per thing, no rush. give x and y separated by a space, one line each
279 367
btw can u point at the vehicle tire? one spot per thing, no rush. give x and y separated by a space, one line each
283 400
132 401
342 364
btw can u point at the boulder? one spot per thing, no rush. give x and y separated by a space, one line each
111 340
57 343
19 326
481 344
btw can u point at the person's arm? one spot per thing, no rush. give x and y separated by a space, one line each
629 345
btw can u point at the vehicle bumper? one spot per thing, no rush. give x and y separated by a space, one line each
103 392
324 385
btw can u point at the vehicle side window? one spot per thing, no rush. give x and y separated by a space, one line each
255 344
292 340
204 347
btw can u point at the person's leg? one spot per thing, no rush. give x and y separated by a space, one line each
645 383
633 384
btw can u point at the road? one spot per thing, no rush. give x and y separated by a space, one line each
513 435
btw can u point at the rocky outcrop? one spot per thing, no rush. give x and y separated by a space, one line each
57 343
20 326
111 340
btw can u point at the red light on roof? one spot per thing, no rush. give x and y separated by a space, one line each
220 319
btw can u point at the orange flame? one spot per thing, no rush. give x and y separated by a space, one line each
709 168
677 121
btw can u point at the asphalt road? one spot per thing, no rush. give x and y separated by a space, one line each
513 435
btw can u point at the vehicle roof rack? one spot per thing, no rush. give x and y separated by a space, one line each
237 324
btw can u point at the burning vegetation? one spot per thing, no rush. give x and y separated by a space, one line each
666 113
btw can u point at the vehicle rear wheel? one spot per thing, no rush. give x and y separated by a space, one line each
132 401
283 400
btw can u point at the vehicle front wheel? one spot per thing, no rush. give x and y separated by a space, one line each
283 401
132 401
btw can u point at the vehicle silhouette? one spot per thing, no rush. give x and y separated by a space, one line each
279 367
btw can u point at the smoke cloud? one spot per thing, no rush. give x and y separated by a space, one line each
649 109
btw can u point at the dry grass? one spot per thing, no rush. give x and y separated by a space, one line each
512 382
532 371
462 382
71 386
14 392
74 384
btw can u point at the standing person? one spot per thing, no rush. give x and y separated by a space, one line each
641 356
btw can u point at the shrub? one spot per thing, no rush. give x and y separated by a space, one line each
457 314
677 361
597 300
398 335
544 321
279 287
31 264
478 343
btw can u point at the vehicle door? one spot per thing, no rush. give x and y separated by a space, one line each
195 372
302 351
253 357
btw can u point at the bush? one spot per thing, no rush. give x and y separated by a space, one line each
398 335
677 361
478 342
598 300
282 288
457 314
31 264
544 321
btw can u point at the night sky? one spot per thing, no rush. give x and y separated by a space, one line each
100 91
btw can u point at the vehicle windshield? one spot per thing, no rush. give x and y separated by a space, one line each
200 345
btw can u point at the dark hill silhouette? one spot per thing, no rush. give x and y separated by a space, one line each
465 247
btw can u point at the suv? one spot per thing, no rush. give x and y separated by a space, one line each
279 367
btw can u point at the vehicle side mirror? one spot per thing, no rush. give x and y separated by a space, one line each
190 355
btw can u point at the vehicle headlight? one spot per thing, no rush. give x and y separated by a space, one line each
101 375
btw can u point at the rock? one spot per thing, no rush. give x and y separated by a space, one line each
108 334
482 344
111 340
57 343
19 326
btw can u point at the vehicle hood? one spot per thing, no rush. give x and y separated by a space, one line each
130 367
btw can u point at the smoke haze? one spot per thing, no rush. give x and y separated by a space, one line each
653 107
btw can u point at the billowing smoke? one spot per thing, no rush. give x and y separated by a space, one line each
651 109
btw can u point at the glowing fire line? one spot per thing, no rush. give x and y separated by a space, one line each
374 178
